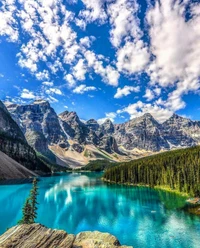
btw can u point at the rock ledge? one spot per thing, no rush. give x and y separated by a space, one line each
38 236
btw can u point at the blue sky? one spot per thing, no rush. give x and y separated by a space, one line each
114 59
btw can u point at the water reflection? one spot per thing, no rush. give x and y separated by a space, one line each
141 217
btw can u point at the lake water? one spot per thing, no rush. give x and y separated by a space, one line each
76 202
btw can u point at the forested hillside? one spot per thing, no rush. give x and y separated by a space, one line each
179 170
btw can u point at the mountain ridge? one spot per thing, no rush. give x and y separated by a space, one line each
66 136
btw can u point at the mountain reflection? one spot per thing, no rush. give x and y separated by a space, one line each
75 182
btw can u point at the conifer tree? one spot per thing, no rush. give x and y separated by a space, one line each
30 207
26 210
33 200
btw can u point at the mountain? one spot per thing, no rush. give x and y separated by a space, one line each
40 125
14 144
143 133
68 141
181 132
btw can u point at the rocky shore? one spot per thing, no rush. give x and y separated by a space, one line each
39 236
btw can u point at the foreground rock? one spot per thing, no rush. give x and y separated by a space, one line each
36 235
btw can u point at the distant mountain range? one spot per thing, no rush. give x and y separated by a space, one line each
65 140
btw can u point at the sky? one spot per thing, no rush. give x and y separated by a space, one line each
114 59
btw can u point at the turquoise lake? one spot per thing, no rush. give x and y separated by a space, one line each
76 202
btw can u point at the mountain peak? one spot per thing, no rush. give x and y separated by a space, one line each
148 115
64 113
107 121
92 121
41 102
3 106
178 118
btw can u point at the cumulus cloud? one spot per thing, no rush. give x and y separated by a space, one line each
109 74
168 51
175 45
83 88
51 40
55 91
125 91
42 75
47 83
8 22
94 11
132 57
111 116
139 108
79 70
70 80
123 20
149 94
27 94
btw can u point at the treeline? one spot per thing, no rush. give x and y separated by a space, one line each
178 170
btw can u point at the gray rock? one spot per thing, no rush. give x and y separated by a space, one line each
42 127
75 128
14 144
40 123
92 124
36 235
143 132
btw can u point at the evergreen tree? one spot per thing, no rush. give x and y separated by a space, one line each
178 170
30 207
33 200
26 210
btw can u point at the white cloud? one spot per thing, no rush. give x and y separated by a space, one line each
70 80
125 91
42 75
52 42
139 108
52 99
111 116
48 83
175 45
86 41
26 94
94 11
8 22
149 94
66 107
109 74
123 21
83 88
54 91
79 70
81 23
132 57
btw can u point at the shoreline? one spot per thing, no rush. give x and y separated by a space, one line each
163 188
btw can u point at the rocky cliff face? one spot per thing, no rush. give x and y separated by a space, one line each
143 132
36 235
43 128
39 123
73 127
14 144
179 131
